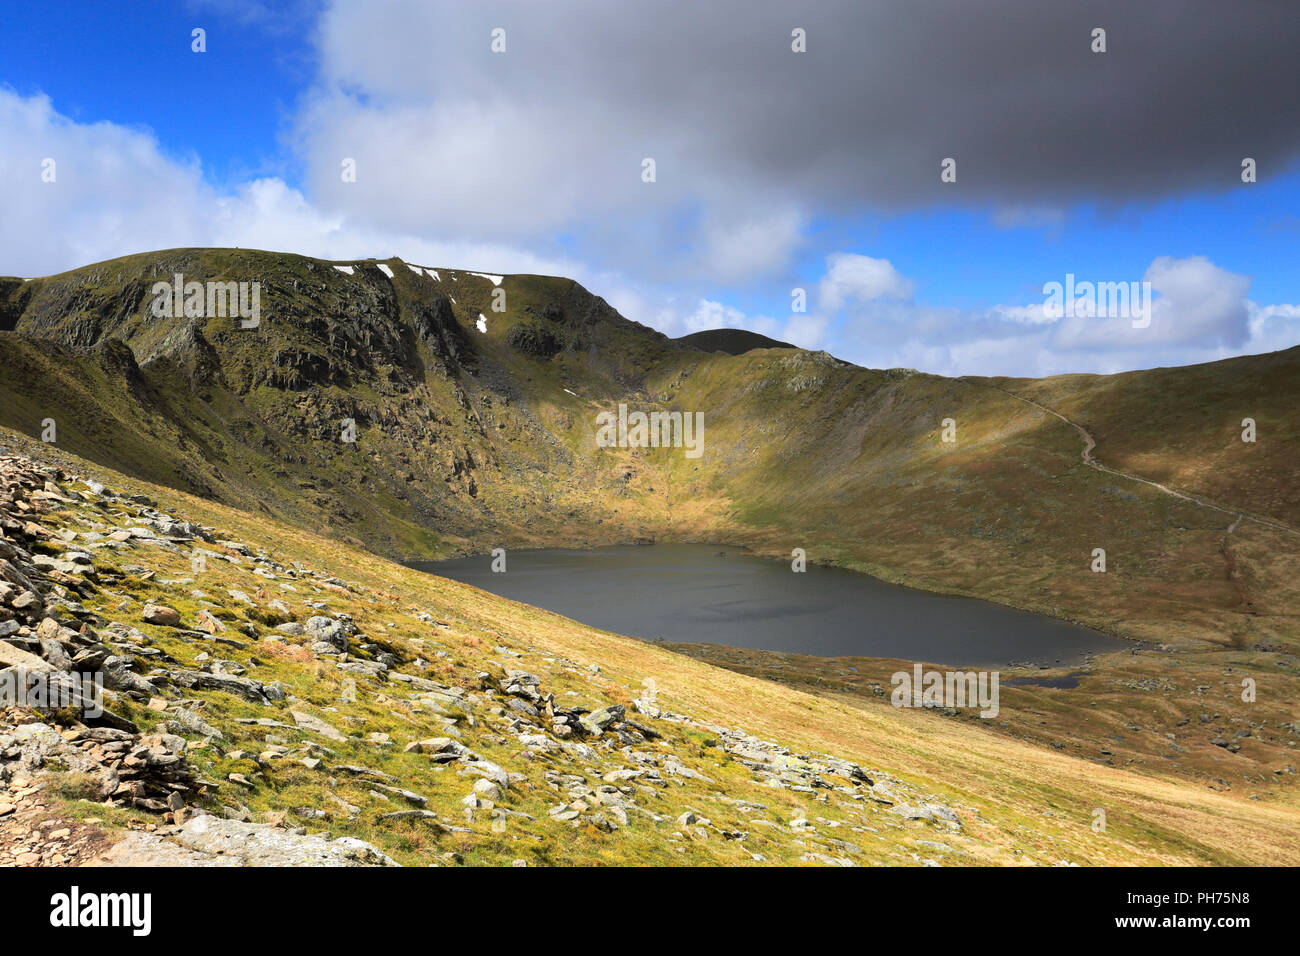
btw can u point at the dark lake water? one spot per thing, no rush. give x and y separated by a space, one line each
709 594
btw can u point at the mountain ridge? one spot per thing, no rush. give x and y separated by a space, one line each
476 429
469 440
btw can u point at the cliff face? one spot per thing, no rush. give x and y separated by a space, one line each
364 399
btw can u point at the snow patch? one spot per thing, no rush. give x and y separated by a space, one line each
433 274
574 394
481 324
415 269
385 270
495 280
344 269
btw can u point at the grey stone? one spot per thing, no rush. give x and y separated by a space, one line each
213 841
317 726
329 631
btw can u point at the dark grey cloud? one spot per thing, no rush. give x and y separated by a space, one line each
1010 88
530 161
755 141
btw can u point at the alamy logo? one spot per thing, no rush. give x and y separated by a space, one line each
211 300
73 909
1109 300
651 430
946 689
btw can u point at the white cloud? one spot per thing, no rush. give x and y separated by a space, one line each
1194 303
852 278
528 144
714 315
1273 327
1200 312
806 331
112 191
117 191
1025 314
1200 303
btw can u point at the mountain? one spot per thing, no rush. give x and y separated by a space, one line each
457 429
469 440
731 341
207 509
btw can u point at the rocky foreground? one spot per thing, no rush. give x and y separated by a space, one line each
257 711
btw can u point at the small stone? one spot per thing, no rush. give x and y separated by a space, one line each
161 614
209 623
317 726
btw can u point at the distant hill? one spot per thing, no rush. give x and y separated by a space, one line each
731 341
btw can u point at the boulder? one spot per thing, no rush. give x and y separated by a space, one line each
595 723
11 656
212 841
250 690
328 631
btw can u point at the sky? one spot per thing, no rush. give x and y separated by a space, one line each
799 153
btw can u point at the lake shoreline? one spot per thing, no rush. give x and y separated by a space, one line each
738 596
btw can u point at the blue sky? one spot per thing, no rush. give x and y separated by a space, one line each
529 161
99 63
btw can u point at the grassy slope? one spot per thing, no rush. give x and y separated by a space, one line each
1019 802
1182 426
1009 512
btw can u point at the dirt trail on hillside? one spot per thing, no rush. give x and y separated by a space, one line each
1089 443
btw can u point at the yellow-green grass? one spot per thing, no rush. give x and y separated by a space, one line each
1033 803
